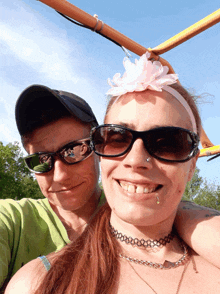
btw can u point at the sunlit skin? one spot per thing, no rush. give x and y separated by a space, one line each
137 213
72 190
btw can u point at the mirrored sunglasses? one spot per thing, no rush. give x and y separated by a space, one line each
71 153
171 144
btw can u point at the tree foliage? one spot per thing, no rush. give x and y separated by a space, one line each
202 193
16 181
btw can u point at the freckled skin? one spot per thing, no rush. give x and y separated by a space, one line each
143 111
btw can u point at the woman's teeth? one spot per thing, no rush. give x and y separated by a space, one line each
138 188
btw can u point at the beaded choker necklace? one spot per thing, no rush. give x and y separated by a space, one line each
142 243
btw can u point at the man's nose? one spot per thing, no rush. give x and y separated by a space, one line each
60 170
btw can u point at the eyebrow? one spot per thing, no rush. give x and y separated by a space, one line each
126 125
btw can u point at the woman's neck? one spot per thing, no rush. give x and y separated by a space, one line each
137 229
164 243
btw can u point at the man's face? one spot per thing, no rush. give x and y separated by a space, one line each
66 186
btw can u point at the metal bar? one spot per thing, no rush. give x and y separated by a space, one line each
188 33
210 151
81 16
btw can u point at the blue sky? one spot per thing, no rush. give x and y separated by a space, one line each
38 46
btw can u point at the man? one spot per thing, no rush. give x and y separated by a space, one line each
54 128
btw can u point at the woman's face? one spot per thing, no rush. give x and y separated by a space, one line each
132 185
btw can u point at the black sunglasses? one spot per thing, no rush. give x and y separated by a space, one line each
171 144
71 153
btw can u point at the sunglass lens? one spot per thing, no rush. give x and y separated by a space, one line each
39 163
111 140
76 152
170 144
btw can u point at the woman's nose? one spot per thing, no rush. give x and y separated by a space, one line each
138 157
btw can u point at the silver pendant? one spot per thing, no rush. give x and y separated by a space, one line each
168 264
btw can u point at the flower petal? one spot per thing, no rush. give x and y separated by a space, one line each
141 75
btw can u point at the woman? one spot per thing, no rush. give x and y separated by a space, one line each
148 148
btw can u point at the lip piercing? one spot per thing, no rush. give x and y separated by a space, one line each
148 159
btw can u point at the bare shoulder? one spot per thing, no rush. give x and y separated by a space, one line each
201 263
200 276
27 279
203 274
197 210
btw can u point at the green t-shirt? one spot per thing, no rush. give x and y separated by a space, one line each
28 228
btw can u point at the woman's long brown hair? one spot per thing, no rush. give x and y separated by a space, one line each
87 266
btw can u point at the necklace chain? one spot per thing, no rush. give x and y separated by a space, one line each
184 260
142 243
166 265
180 281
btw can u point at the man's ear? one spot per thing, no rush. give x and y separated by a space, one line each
193 166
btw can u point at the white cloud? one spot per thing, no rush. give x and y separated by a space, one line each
28 41
5 131
33 50
8 96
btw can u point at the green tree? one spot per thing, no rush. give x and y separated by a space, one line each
201 192
16 181
193 187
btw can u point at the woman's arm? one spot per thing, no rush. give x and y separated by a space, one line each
27 279
199 227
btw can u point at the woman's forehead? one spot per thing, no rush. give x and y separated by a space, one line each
148 109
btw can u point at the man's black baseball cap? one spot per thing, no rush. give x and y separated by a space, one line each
36 98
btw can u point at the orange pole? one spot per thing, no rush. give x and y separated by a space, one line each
81 16
188 33
206 143
210 151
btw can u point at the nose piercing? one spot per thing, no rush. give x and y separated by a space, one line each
148 159
158 200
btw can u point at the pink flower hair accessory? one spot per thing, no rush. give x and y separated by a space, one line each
145 74
141 75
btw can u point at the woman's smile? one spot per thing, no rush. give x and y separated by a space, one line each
136 191
139 188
